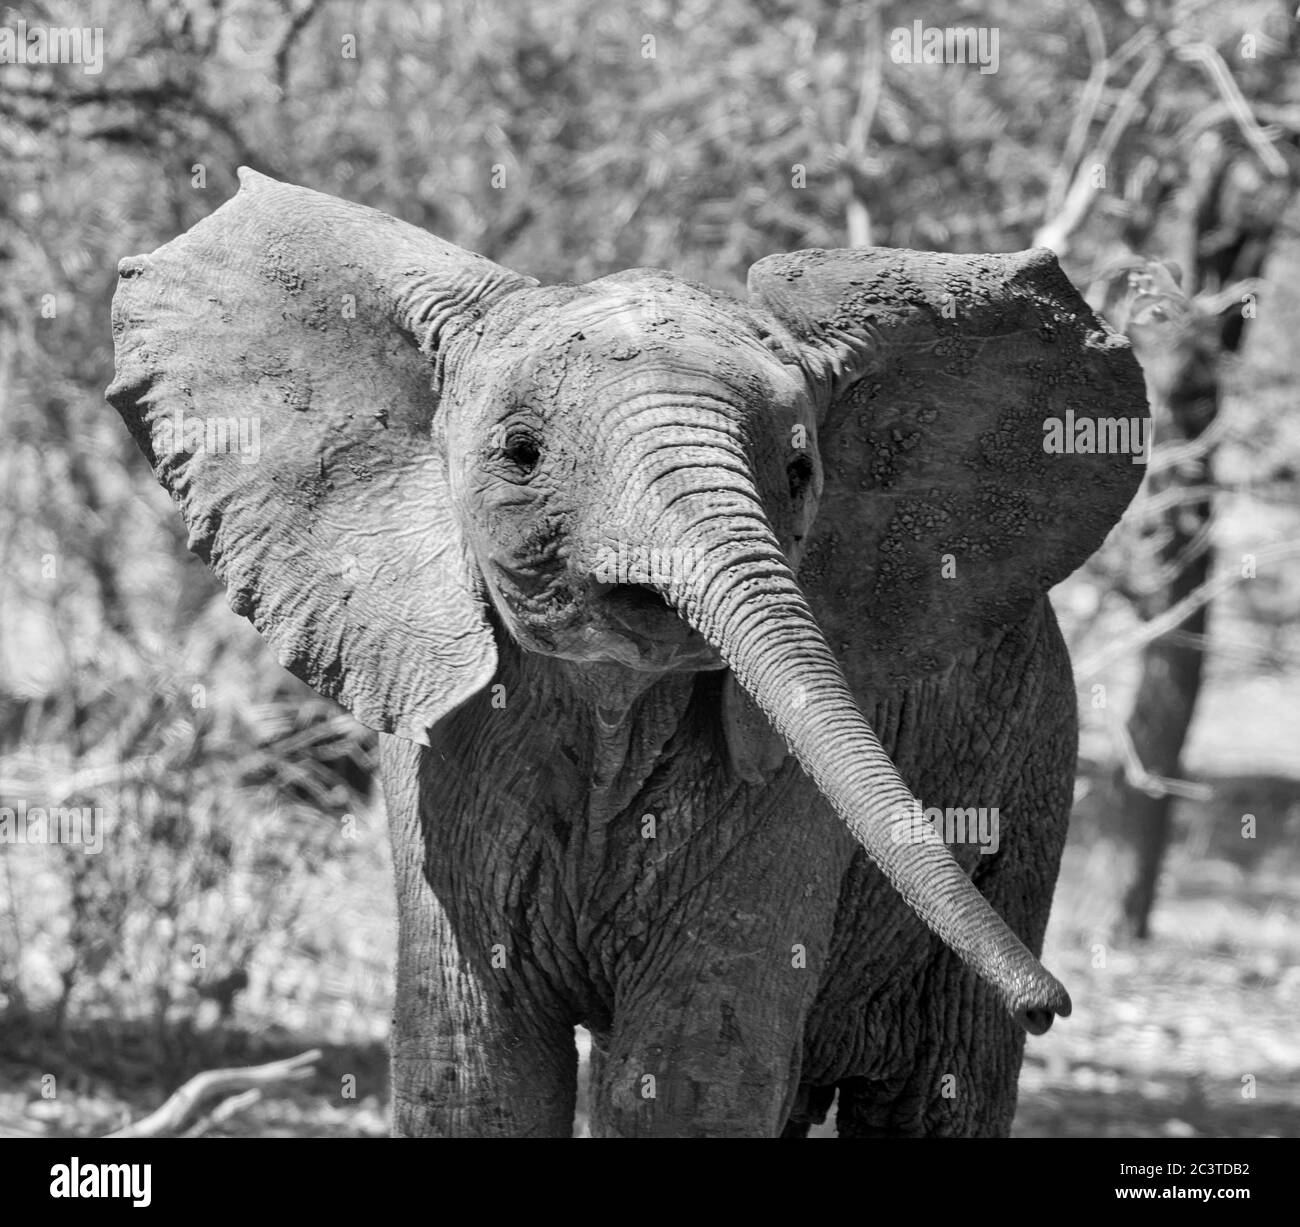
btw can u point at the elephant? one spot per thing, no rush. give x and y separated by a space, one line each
669 609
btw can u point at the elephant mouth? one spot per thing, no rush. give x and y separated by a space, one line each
644 612
644 615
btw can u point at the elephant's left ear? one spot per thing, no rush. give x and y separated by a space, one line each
279 366
981 432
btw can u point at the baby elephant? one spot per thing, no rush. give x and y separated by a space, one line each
670 609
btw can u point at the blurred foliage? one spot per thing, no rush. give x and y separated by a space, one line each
567 139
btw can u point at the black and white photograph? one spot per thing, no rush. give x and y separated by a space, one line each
650 569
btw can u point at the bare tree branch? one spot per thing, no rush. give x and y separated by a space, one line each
1212 62
297 23
857 215
1083 117
169 98
1145 781
1175 614
1056 231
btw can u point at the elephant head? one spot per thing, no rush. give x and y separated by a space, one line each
629 472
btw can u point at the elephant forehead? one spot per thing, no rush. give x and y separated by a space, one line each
651 335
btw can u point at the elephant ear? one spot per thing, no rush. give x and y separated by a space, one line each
278 364
960 401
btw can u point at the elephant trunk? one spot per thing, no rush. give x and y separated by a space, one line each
733 584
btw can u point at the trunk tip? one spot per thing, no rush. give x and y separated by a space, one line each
1039 1011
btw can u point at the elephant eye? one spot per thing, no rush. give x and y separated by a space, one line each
522 451
799 472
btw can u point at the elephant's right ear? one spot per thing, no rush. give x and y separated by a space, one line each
278 364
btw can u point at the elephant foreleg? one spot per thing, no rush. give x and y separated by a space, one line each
706 1064
709 1042
468 1059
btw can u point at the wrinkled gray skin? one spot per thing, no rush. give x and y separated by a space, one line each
673 806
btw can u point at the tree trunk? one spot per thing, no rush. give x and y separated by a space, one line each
1232 214
1171 665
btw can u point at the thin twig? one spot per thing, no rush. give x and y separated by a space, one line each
1143 780
1177 613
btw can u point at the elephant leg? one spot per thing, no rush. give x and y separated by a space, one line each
940 1055
469 1056
955 1061
711 996
698 1063
953 1052
707 1041
952 1089
810 1107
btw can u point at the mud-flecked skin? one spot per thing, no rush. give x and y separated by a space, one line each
664 805
746 954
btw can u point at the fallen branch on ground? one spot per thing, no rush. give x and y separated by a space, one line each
225 1084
